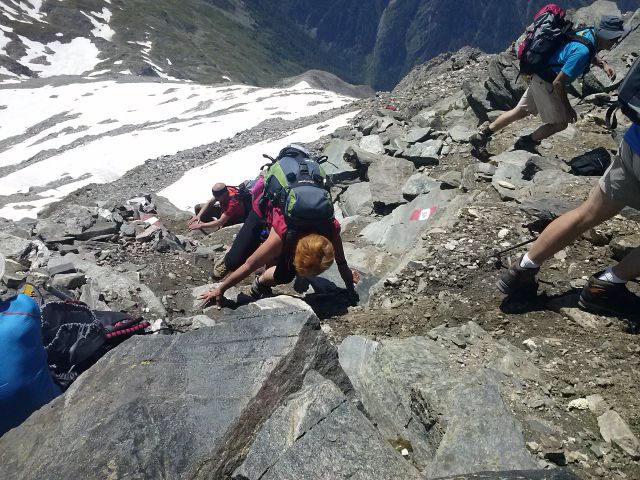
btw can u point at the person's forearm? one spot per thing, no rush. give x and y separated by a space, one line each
236 277
346 274
211 224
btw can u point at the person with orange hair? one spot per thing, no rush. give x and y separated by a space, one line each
287 254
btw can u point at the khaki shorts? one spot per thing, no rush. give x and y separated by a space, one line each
541 99
621 181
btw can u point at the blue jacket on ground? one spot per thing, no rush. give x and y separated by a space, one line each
25 381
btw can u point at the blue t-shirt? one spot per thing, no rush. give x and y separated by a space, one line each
573 58
632 137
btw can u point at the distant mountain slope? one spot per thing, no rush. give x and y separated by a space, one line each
253 41
386 38
207 41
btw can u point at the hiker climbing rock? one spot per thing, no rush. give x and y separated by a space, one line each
228 206
618 187
303 238
555 55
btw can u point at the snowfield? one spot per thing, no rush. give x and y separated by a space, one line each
56 139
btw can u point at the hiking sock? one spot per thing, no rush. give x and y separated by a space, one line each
526 262
609 276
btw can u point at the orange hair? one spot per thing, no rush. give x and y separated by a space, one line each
313 255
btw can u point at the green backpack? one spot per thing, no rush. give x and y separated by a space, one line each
298 185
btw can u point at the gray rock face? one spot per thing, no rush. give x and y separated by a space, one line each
318 430
70 281
372 144
615 430
357 200
461 133
399 230
336 167
419 184
181 406
386 180
418 134
99 229
107 280
425 153
456 423
12 246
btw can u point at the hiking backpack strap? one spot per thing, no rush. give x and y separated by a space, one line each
610 120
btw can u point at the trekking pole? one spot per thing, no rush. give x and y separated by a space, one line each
522 244
57 293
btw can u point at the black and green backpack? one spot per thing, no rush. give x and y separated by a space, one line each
298 185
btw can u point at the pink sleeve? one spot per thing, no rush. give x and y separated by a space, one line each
278 223
335 228
256 195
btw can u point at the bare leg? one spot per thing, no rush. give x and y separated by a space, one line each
629 267
545 131
267 278
507 118
566 229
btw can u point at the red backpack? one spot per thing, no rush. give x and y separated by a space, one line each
551 30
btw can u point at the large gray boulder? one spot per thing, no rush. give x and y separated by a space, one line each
184 406
398 231
13 247
318 433
357 200
336 167
386 180
423 154
445 396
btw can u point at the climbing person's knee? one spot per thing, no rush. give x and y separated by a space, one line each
313 255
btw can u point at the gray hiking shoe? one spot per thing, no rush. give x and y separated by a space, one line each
259 290
518 280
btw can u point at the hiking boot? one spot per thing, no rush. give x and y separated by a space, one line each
301 285
518 280
480 139
481 153
259 290
527 144
220 270
600 296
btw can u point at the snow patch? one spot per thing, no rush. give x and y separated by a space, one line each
73 58
101 28
108 128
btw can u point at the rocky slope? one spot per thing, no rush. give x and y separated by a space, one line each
433 375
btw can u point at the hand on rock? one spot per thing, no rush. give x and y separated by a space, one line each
214 294
195 225
608 69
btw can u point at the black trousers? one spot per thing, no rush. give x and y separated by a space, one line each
246 242
211 212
